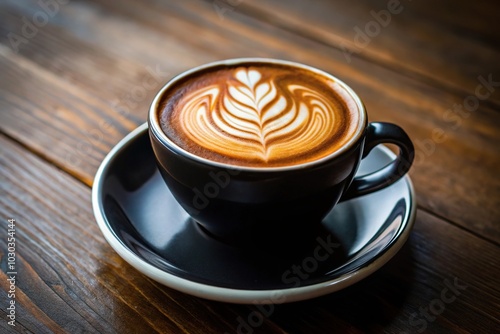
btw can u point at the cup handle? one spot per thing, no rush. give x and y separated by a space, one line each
378 133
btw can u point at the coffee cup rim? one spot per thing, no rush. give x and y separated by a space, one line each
154 124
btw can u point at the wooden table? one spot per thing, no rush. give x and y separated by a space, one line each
77 76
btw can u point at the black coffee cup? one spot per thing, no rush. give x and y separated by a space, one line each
240 204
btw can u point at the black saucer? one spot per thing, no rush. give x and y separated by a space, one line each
144 224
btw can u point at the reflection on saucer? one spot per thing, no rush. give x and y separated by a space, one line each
144 224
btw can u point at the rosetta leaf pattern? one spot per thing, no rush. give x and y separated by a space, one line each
251 117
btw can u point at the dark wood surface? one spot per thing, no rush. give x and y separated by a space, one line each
74 86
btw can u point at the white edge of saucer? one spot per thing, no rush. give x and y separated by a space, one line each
272 296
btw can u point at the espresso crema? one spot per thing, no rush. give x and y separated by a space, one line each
258 115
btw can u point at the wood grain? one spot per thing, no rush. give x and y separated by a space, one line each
90 113
87 76
71 280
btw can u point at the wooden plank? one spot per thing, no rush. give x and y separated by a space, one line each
101 72
466 159
70 280
443 44
64 124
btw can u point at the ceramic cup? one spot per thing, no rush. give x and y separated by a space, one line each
239 204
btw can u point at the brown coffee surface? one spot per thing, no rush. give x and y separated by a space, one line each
258 115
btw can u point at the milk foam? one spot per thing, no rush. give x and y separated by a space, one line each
259 116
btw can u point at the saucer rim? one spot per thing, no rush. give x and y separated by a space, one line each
232 295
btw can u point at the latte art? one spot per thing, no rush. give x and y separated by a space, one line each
257 117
